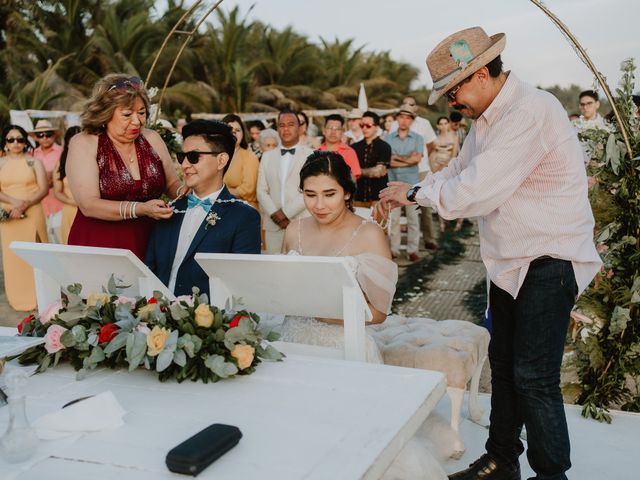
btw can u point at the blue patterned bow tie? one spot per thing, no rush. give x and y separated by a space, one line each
292 151
193 201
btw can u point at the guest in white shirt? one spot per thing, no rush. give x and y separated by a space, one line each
278 194
520 171
208 219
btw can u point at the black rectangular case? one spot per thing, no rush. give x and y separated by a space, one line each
198 452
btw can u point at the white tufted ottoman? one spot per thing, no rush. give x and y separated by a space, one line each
454 347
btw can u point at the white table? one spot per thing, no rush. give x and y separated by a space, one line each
306 417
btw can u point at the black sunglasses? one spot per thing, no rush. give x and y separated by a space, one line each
134 83
193 156
45 134
15 139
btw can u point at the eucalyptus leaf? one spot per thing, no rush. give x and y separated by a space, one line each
67 339
273 336
81 374
178 312
217 365
79 333
613 154
163 360
180 358
97 355
269 353
136 349
71 318
117 343
92 339
619 319
111 286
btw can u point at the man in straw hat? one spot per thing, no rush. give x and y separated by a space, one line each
521 172
49 152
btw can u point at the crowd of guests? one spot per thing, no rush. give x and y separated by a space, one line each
109 182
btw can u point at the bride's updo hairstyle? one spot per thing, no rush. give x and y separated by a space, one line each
333 165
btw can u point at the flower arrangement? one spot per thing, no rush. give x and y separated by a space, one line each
183 339
606 332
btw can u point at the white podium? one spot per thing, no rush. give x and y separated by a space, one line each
57 266
307 286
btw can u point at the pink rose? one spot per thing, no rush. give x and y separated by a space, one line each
52 342
51 311
122 300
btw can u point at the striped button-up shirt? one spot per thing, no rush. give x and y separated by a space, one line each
521 172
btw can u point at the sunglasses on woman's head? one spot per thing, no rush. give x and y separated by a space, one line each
45 134
193 156
127 83
16 139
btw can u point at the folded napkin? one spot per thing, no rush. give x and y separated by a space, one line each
100 412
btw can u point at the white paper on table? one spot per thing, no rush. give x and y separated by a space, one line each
100 412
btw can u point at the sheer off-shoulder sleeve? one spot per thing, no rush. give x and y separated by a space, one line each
377 277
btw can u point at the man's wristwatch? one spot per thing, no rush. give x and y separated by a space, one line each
412 192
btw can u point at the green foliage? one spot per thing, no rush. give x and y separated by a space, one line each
53 51
608 348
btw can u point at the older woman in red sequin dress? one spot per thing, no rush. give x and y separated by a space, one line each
117 169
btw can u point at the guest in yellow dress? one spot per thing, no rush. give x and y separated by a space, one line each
61 188
242 176
23 184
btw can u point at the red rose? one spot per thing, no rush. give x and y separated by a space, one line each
107 332
26 322
235 321
152 300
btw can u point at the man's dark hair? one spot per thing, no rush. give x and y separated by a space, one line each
495 67
589 93
336 117
455 116
372 115
286 111
218 135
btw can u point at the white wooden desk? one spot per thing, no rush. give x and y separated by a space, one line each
306 417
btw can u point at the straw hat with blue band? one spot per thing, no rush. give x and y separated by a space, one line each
459 55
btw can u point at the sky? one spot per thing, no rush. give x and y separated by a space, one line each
536 49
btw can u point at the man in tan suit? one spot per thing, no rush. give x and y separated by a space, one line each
278 180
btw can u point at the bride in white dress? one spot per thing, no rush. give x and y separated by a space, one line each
332 229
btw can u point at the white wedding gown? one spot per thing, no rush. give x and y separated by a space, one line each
377 277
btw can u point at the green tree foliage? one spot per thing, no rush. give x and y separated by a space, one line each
52 53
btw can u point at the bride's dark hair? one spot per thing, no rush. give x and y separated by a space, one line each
333 165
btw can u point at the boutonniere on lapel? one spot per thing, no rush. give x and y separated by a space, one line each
211 219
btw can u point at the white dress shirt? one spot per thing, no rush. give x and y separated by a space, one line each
285 165
191 222
521 171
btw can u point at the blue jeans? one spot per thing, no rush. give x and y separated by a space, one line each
525 354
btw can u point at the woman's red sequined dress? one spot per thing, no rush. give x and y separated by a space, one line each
116 183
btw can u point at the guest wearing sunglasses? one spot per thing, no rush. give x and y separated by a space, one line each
242 176
23 184
333 131
118 169
48 151
209 219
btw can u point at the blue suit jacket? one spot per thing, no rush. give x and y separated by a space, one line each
237 231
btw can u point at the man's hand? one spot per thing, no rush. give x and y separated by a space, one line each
395 195
280 219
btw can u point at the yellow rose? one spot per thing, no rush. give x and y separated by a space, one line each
144 312
156 340
244 355
92 299
203 316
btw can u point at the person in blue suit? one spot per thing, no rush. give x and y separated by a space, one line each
208 219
